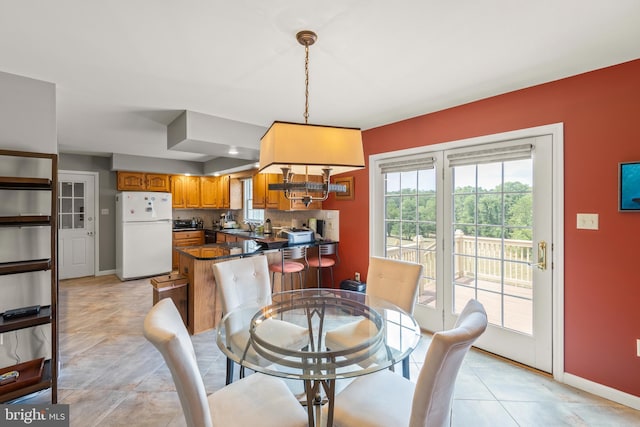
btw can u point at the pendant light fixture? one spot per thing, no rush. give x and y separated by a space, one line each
307 149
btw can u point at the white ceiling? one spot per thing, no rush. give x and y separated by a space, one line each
124 69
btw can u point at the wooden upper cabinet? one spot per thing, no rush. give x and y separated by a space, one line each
185 191
158 182
179 191
131 181
272 198
223 191
209 191
193 191
259 191
140 181
265 199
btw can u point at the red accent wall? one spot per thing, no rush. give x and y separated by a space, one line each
601 115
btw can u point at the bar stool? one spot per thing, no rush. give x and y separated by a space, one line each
289 265
327 258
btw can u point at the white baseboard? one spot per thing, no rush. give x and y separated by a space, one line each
105 272
602 391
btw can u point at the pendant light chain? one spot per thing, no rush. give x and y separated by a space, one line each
306 83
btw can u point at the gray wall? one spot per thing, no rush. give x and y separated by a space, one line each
106 199
125 162
27 114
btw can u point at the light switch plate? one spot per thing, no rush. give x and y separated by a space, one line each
587 221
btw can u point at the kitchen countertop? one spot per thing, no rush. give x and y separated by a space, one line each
246 247
221 230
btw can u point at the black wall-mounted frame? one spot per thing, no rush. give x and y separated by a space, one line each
629 186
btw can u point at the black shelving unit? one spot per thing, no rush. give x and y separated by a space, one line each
48 313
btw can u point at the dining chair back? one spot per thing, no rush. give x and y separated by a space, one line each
392 280
245 281
395 281
241 281
164 328
434 388
386 399
232 406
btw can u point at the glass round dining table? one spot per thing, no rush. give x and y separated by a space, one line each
318 336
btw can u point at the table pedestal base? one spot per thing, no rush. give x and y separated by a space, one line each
314 399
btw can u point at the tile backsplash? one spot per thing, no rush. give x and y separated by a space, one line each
278 218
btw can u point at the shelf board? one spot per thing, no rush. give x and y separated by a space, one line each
24 266
26 220
43 384
11 183
42 318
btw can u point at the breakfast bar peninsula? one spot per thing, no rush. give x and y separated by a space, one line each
204 309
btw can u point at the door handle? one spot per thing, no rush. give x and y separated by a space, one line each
89 233
542 256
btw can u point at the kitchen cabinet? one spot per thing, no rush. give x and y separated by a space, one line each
209 187
262 197
229 192
141 181
272 198
223 191
185 191
178 191
259 196
222 237
209 192
28 269
193 191
185 238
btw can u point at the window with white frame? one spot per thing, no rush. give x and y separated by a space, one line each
250 214
410 206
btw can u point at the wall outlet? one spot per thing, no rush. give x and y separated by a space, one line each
638 347
358 279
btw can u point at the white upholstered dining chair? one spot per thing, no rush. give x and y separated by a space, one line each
245 281
392 280
255 400
386 399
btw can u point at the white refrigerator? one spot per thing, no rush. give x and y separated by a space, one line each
143 234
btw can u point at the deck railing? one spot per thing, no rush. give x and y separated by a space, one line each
479 258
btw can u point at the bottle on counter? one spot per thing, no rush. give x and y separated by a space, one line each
267 227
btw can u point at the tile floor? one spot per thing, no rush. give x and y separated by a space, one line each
111 376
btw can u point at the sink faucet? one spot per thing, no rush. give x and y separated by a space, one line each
252 226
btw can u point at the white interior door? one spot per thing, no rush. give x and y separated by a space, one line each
76 225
